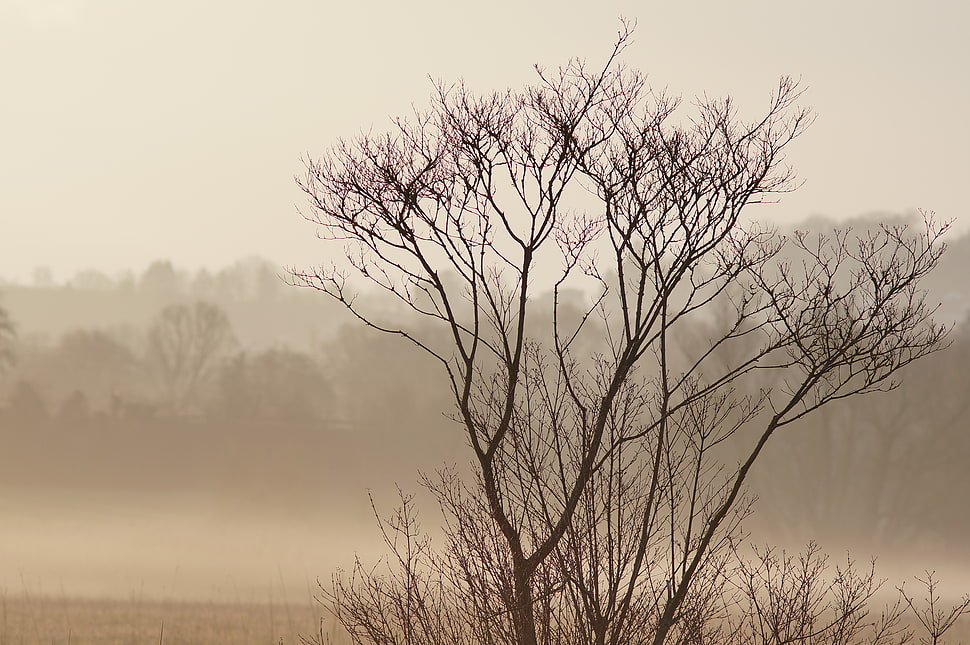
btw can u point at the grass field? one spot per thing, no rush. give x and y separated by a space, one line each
44 620
31 620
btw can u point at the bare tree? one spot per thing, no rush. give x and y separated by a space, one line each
183 345
599 512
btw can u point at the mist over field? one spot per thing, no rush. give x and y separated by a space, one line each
178 435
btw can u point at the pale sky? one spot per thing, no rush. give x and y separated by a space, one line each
132 131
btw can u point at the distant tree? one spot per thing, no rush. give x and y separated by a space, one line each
93 280
204 286
184 345
98 363
599 511
43 277
881 473
366 364
160 279
95 363
7 334
253 278
278 384
26 404
75 407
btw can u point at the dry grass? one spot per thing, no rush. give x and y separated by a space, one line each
43 620
30 620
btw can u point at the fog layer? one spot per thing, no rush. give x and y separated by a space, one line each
215 437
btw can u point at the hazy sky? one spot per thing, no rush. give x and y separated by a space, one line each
133 130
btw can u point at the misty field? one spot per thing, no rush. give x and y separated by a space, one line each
29 620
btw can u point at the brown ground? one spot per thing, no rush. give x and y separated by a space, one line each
57 621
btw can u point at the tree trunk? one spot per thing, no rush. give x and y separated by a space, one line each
523 612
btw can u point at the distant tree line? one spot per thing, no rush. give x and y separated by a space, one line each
886 473
263 309
185 400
